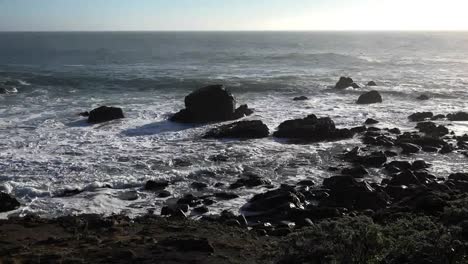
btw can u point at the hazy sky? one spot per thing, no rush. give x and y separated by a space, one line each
89 15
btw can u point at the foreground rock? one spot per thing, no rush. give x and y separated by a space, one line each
345 82
8 203
104 114
313 129
371 97
210 104
242 129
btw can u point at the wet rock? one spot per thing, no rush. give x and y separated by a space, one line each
359 129
409 148
164 194
405 178
104 114
84 114
419 165
371 121
306 183
423 97
275 202
199 185
344 83
375 159
438 117
459 177
371 97
156 185
70 192
346 192
226 195
189 199
356 172
8 203
201 210
242 129
460 116
400 165
431 129
446 149
210 104
371 83
300 98
421 141
420 116
250 180
395 131
428 202
181 162
312 128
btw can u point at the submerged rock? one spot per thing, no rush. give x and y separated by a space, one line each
8 203
371 121
210 104
371 97
104 114
242 129
423 97
300 98
312 128
345 82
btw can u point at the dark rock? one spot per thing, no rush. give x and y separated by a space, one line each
395 131
242 129
446 149
70 192
409 148
459 177
344 83
356 172
419 165
242 111
188 244
359 129
84 114
420 116
355 86
300 98
401 165
250 180
371 97
371 83
460 116
429 202
389 153
438 117
423 97
199 185
430 128
189 199
274 202
8 203
226 196
430 149
210 104
164 194
312 128
421 141
371 121
375 159
405 178
104 114
201 210
156 185
306 183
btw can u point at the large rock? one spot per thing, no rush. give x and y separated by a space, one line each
242 129
345 82
210 104
371 97
7 203
104 114
423 97
312 128
420 116
460 116
431 129
371 83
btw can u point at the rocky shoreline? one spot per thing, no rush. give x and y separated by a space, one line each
410 216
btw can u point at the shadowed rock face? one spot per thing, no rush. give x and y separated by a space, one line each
7 203
210 104
371 97
345 82
104 114
242 129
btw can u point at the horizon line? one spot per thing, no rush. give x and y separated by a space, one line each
234 30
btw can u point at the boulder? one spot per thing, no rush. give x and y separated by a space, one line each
371 97
460 116
371 121
459 177
300 98
210 104
430 128
250 180
423 97
404 178
356 172
242 129
345 82
8 203
312 128
104 114
156 185
420 116
275 202
409 148
371 83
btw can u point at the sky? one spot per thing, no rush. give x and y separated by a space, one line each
162 15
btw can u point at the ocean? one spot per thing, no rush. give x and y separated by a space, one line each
48 78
